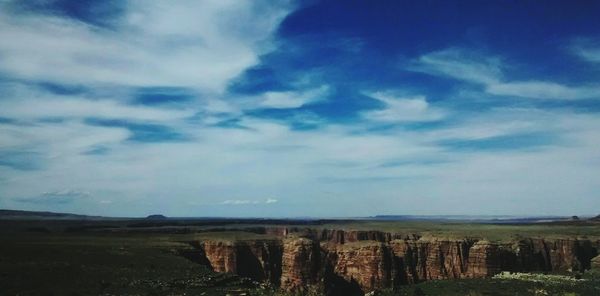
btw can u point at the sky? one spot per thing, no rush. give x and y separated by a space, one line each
300 108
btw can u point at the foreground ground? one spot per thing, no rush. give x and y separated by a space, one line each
590 285
51 264
91 258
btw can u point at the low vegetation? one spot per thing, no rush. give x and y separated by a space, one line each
507 285
83 264
492 232
107 258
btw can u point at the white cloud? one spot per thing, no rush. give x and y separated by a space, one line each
188 43
325 171
496 123
586 49
248 202
313 170
459 64
68 107
292 99
404 109
56 197
542 90
61 138
238 202
488 72
272 99
590 54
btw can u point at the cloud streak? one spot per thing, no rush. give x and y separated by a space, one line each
586 49
489 72
237 202
411 109
55 197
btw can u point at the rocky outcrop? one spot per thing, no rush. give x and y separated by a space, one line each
221 255
554 255
595 264
419 260
259 259
485 259
367 264
349 236
356 262
301 264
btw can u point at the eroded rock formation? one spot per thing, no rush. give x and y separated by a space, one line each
301 266
256 259
356 262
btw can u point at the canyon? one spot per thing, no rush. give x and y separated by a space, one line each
352 262
219 257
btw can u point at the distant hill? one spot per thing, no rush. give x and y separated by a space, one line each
18 214
156 217
500 219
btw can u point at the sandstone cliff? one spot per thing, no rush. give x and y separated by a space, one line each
259 259
356 262
368 264
301 266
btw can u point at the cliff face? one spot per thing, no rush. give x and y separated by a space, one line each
352 263
301 266
260 260
418 260
366 264
222 255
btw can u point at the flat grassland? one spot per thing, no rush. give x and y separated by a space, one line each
492 232
115 264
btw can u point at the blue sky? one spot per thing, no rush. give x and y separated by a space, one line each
300 108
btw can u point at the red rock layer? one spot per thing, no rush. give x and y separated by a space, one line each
366 263
301 263
260 260
375 260
222 255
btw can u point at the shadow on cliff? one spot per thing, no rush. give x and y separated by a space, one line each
336 285
196 254
248 265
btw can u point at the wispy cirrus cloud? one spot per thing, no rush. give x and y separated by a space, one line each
543 90
236 202
19 159
403 109
586 48
55 197
489 72
291 99
147 38
69 107
461 64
